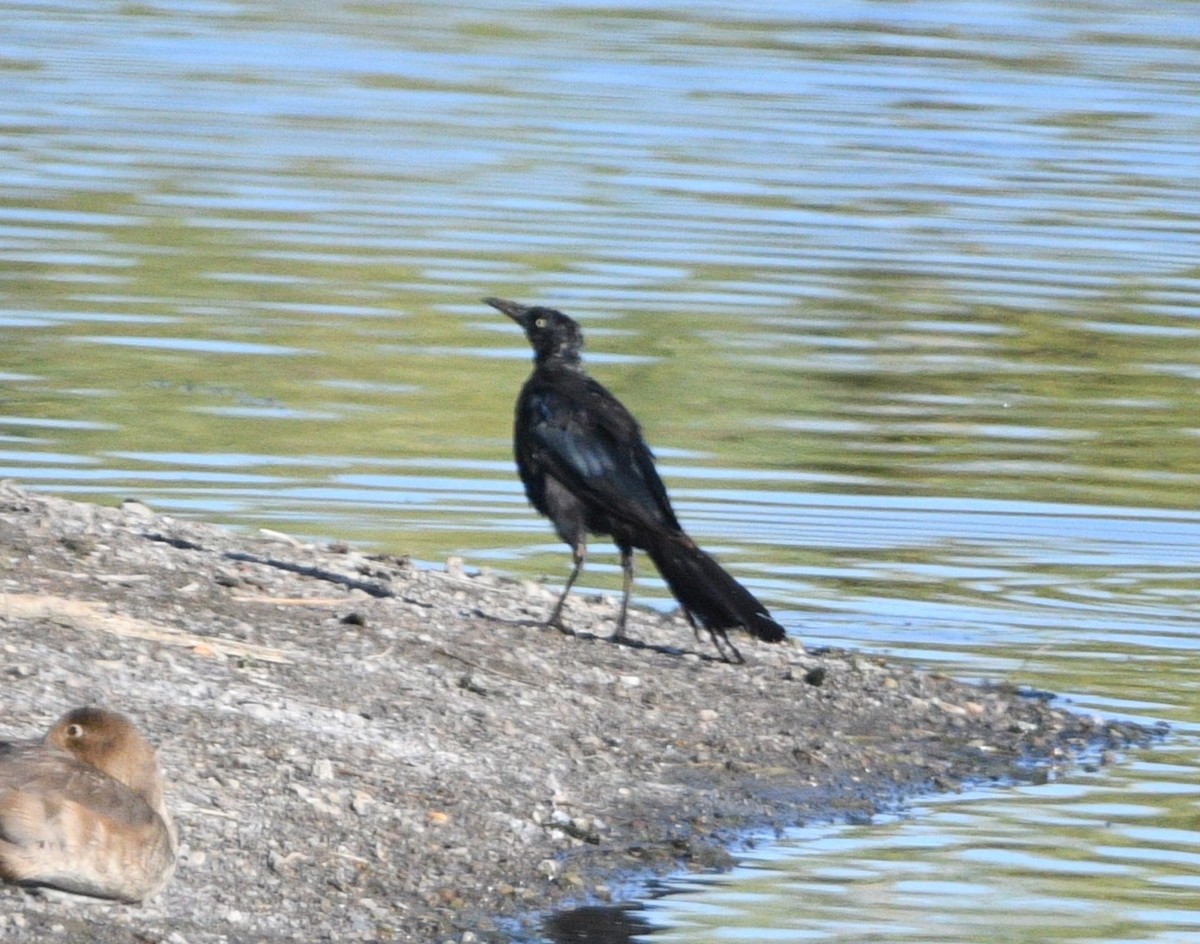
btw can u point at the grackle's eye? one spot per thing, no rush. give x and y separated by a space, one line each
540 323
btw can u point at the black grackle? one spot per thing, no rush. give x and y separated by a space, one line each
586 467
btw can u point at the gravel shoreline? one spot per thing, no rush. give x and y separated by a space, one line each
357 749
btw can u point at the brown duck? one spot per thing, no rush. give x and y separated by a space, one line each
82 810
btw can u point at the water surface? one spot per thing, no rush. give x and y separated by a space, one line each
905 296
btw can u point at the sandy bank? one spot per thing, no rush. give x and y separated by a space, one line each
361 750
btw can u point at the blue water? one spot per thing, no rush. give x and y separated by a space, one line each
905 296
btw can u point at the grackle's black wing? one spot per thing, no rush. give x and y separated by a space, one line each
579 434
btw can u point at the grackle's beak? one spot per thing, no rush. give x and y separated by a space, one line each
516 311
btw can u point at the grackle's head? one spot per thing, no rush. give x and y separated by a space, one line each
552 334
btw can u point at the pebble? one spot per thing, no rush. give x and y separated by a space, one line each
362 802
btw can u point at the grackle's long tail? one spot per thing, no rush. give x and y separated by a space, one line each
709 595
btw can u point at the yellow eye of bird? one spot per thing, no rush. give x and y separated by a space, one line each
541 323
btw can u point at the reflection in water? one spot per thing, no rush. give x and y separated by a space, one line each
595 925
904 295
